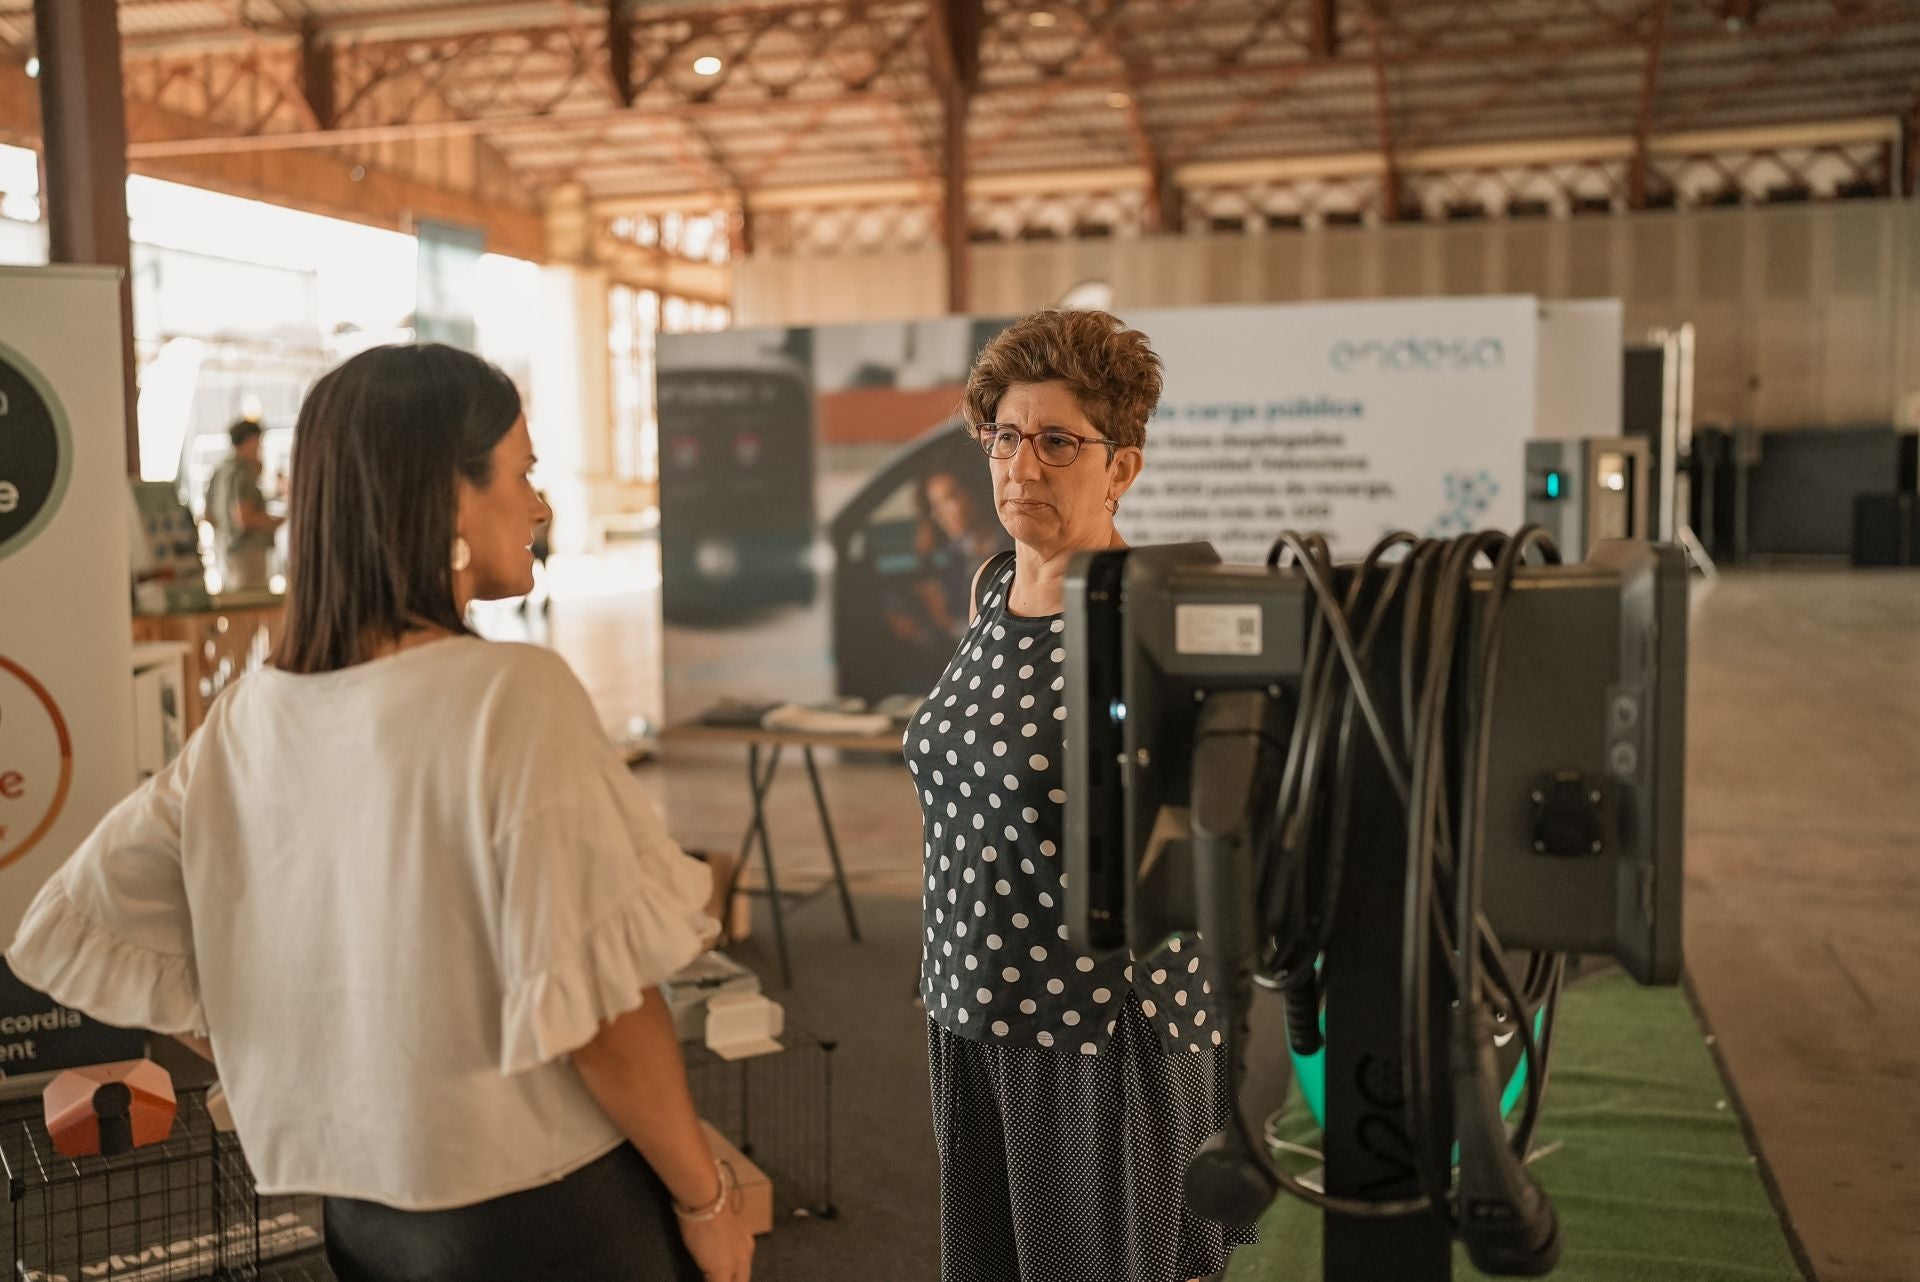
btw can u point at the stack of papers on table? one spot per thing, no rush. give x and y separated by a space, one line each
801 719
736 713
707 976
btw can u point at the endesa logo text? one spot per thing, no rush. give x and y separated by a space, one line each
1401 355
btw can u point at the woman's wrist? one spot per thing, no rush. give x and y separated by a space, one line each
712 1207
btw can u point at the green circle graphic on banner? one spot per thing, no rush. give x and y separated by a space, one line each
36 452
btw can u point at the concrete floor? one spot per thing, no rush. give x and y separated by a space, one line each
1803 884
1803 892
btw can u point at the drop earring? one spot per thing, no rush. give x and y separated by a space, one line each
462 554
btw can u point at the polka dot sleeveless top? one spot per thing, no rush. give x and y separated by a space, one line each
986 753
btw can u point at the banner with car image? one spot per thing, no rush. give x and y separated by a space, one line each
823 511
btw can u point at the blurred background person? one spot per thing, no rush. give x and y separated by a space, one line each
236 508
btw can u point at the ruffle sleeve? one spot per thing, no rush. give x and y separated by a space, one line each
110 934
598 905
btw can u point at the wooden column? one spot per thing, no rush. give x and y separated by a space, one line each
953 34
1907 180
954 226
1390 196
84 133
1643 120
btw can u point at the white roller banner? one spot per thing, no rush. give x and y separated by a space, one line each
66 686
1353 419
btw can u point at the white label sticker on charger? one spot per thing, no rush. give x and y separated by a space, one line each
1216 629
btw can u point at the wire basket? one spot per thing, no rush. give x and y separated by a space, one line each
145 1216
268 1236
187 1208
778 1110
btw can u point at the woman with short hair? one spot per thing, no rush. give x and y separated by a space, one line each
1068 1092
404 890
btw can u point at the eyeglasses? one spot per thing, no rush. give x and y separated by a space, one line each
1054 446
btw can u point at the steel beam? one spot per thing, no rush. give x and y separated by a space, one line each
544 122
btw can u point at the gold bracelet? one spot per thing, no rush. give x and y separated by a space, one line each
722 1202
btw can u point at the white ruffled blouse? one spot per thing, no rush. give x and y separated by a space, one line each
395 897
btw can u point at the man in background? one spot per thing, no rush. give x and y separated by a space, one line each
242 527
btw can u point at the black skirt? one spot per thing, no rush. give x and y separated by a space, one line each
612 1218
1062 1167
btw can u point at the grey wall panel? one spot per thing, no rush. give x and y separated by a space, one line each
1722 364
1286 258
1344 261
1859 250
1786 249
1858 360
1405 260
1805 315
1906 250
1720 248
1788 341
1656 255
1591 258
1529 259
1464 260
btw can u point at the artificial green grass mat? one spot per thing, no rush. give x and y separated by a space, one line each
1652 1177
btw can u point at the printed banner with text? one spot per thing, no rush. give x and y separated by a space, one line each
1352 419
822 510
66 669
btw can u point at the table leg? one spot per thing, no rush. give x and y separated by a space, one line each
757 785
833 847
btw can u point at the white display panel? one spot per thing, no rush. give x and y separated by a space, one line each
1352 419
66 714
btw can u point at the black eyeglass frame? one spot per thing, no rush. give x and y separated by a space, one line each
1027 438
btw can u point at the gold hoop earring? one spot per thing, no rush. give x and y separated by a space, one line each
1113 507
462 554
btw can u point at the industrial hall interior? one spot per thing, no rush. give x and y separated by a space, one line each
960 640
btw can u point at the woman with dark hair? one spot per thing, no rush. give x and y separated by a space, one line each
404 891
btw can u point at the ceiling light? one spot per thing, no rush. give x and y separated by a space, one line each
33 67
707 66
1041 18
1118 100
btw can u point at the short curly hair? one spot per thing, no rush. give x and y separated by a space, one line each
1110 369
